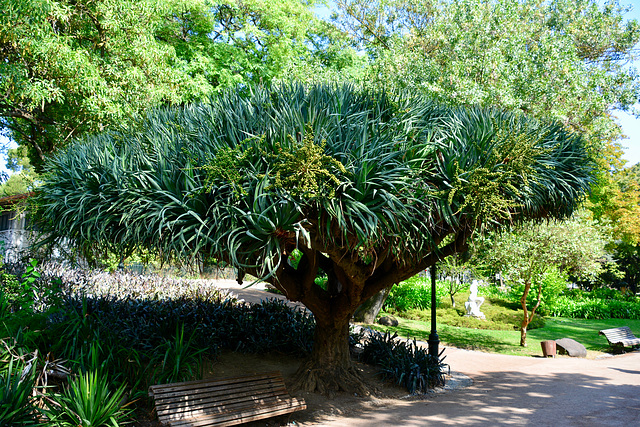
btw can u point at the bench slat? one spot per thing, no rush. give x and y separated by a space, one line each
224 402
189 385
215 392
212 404
238 414
620 336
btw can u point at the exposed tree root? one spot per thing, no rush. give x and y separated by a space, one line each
330 380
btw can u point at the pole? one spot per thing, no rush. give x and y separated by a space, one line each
434 339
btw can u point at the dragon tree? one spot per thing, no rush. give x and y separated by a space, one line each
369 188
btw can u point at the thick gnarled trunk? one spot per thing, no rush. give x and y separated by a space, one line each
329 368
350 282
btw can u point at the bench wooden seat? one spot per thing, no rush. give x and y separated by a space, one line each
224 402
620 337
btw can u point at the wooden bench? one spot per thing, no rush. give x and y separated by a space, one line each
619 338
224 402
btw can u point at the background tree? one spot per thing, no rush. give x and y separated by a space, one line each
575 246
23 177
370 188
566 60
456 268
78 67
616 200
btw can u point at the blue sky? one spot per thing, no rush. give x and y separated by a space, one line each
629 123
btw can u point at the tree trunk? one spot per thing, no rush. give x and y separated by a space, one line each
368 311
523 333
525 319
329 368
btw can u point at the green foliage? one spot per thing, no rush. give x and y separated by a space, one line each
501 314
402 155
525 255
414 293
119 338
78 67
561 59
89 402
306 171
23 179
596 308
11 287
147 324
24 295
16 407
28 295
403 362
181 361
553 284
507 341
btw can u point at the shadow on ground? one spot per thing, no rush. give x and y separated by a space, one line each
514 398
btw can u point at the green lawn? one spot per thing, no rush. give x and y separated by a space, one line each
508 342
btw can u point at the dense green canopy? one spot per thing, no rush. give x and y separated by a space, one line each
239 177
369 188
75 67
563 60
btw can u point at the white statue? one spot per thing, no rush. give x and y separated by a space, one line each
474 302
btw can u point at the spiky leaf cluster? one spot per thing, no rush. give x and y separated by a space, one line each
350 174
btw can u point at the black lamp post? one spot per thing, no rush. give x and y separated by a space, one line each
434 339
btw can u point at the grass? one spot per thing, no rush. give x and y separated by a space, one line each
504 337
508 342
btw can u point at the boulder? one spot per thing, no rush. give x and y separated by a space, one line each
571 347
388 321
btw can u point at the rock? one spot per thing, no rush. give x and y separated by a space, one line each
388 321
571 347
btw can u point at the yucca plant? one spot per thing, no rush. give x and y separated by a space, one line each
16 387
370 187
88 402
403 362
181 360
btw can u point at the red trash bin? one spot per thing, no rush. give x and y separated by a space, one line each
548 348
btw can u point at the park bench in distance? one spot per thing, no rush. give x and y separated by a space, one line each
619 338
224 402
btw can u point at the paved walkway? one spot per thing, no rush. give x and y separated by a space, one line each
515 390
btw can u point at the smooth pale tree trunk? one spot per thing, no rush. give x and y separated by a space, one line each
369 310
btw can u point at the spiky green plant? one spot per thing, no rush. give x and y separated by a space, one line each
370 187
88 402
16 386
181 360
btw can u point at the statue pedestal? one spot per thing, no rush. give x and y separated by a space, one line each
473 309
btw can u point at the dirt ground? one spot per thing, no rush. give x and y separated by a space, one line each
319 407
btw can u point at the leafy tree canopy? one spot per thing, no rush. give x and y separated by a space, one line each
567 60
575 246
75 67
23 178
616 199
371 188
